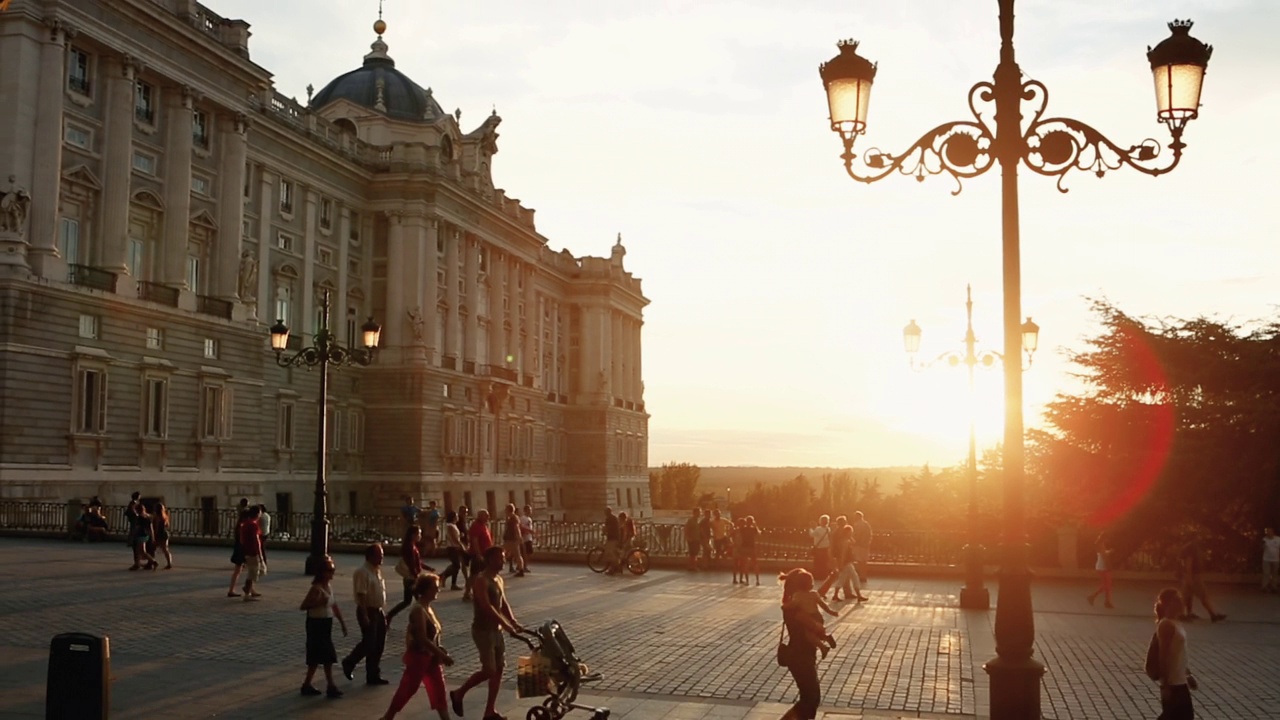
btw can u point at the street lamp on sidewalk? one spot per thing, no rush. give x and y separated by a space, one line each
1052 146
974 595
325 352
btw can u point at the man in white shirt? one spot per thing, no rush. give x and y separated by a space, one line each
1270 560
821 537
371 613
526 536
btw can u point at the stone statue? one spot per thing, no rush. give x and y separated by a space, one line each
604 381
619 252
417 323
14 204
248 276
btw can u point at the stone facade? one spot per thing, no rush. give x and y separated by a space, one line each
178 206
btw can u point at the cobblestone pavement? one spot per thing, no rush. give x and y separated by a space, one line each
670 644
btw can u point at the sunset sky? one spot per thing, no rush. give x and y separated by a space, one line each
698 129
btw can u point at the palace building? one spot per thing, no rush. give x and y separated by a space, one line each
162 205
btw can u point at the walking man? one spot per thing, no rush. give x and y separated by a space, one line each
251 546
1270 560
431 529
237 552
691 537
479 540
492 616
1193 585
371 613
861 545
511 540
526 536
612 542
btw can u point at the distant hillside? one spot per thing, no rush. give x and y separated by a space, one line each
742 479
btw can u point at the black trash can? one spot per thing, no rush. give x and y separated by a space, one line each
79 686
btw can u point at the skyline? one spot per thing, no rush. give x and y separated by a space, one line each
759 357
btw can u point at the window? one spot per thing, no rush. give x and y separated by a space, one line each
69 239
144 162
211 348
215 412
334 430
193 273
200 129
91 400
155 339
144 107
246 230
77 136
354 235
156 420
89 327
326 214
353 327
286 197
78 71
447 389
200 184
284 241
355 431
324 256
136 250
284 425
284 304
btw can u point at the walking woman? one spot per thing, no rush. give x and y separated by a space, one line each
424 658
803 661
161 523
140 537
748 533
1103 566
411 556
453 547
321 610
1176 682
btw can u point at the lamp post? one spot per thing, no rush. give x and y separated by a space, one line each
325 352
973 596
1050 146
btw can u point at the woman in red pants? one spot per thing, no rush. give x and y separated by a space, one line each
424 658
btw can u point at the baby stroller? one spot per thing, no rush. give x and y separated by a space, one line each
553 669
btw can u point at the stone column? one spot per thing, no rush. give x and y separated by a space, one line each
450 344
266 283
530 361
232 136
617 356
344 284
46 171
471 270
394 325
177 190
497 318
431 288
117 160
557 386
636 363
308 325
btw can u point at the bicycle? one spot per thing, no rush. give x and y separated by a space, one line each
635 560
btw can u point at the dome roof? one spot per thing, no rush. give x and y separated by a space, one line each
377 85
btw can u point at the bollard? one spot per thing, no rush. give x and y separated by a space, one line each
79 683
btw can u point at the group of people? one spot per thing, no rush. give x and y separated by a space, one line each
249 549
714 538
148 532
841 552
425 655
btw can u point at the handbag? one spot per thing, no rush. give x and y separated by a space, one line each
1152 665
785 651
402 569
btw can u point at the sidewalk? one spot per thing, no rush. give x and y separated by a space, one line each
670 644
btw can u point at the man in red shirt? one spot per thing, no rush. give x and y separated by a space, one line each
251 546
480 539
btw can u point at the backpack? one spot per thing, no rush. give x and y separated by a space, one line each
1152 666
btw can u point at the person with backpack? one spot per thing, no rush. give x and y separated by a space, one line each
1167 658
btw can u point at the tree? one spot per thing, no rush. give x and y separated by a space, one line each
1177 432
673 486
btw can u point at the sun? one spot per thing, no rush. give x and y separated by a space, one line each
935 405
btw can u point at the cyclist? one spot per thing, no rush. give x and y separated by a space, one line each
612 541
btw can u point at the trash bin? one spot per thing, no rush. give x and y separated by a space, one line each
79 685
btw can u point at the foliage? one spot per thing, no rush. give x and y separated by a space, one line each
1176 434
672 487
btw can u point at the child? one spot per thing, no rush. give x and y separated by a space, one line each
806 601
321 610
424 658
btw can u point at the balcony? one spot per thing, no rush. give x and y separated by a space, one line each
92 277
216 307
469 367
157 293
449 362
501 373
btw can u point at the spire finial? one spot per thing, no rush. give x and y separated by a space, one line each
379 26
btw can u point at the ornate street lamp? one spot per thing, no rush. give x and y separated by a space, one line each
325 352
1051 146
974 595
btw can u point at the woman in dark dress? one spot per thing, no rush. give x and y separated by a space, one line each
803 664
161 522
411 556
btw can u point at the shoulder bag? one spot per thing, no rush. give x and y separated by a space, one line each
785 652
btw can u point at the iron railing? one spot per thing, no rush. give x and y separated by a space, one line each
217 307
157 293
92 277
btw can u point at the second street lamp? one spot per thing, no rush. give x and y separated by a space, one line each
325 352
999 134
974 595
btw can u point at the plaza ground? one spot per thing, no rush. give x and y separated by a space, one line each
670 644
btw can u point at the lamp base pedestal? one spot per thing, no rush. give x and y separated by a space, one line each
1015 688
975 598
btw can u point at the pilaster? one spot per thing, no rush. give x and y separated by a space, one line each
121 75
471 269
430 288
344 289
231 175
394 326
308 291
266 273
46 170
449 345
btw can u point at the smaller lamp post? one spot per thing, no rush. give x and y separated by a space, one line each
325 352
974 595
